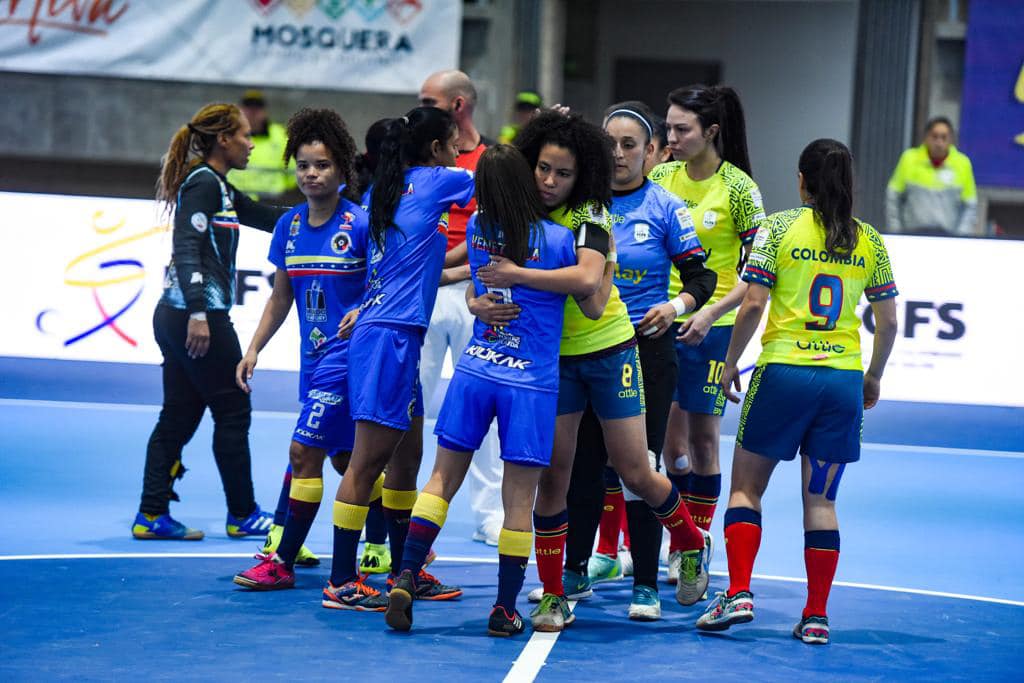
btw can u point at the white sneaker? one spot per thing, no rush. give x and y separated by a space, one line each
675 561
488 532
626 560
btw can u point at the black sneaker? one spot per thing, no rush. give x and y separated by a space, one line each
400 599
502 625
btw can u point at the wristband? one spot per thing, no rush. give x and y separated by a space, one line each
612 257
679 305
198 315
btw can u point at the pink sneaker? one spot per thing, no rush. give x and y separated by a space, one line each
270 574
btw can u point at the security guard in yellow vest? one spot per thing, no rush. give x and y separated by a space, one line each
932 189
266 176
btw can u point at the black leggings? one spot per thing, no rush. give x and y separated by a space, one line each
190 386
659 365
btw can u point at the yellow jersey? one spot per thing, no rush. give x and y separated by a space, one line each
580 334
812 316
726 210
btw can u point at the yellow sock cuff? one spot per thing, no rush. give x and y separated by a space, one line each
431 508
307 490
399 500
515 543
351 517
378 489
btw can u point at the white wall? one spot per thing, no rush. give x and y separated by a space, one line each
791 62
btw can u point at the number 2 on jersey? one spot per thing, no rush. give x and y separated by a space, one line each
825 300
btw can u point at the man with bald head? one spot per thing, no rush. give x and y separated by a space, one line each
451 324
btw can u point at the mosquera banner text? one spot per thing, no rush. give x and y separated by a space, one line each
366 45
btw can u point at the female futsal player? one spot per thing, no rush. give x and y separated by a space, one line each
808 392
412 190
711 173
192 326
653 232
319 249
508 372
572 169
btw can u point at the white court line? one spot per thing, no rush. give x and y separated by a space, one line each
467 559
277 414
533 657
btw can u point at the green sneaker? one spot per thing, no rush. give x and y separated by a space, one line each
693 577
376 559
552 615
305 558
577 587
602 568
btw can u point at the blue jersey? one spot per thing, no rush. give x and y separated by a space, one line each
327 269
404 275
653 230
523 353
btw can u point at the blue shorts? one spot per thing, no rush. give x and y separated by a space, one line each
700 370
526 419
325 421
384 385
818 411
614 385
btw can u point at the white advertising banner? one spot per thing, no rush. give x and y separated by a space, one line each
367 45
81 276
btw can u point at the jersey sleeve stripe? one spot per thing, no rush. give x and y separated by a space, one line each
881 292
747 236
696 252
758 276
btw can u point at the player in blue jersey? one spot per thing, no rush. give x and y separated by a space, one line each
413 187
192 324
598 364
654 233
808 393
506 372
319 249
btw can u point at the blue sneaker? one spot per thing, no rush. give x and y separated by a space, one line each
163 528
646 605
256 524
577 587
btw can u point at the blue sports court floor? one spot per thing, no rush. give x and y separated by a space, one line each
929 586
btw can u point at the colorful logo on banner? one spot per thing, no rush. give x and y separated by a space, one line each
402 11
116 273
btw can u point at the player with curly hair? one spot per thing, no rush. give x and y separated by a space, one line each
319 249
573 167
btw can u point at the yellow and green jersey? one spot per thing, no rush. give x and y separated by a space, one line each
266 175
923 195
726 210
580 334
812 317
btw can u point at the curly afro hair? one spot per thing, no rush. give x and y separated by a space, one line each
588 143
307 126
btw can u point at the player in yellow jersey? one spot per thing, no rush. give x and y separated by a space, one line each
808 392
573 168
711 173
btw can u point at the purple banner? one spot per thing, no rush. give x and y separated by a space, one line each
992 117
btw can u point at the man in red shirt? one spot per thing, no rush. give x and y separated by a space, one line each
451 325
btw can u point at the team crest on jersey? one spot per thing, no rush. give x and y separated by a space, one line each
641 232
199 221
317 338
316 303
293 229
346 220
500 336
710 219
341 243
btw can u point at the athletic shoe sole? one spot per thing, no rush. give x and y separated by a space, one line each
741 617
257 586
149 536
399 613
645 614
442 596
330 604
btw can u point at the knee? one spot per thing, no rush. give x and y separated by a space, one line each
231 409
306 461
704 447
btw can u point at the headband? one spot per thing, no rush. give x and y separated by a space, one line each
636 115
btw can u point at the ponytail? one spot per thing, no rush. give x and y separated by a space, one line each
718 104
827 168
198 137
509 206
407 142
